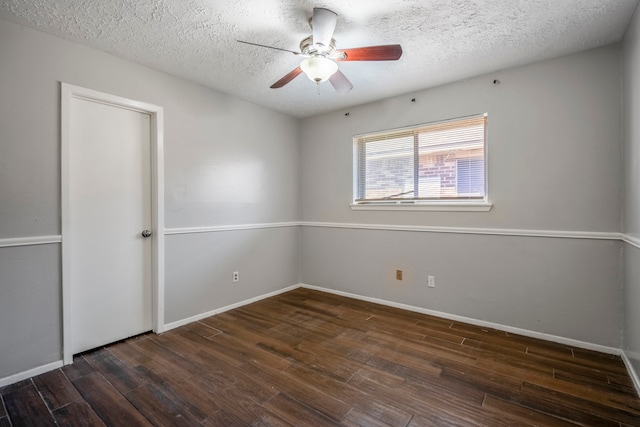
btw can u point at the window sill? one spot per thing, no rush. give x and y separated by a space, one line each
431 206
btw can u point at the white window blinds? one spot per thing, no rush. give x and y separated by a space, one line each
437 161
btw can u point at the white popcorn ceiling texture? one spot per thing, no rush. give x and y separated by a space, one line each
443 40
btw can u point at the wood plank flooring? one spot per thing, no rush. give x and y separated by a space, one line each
307 358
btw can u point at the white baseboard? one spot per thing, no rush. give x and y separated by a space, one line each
470 320
454 317
525 332
632 372
201 316
11 379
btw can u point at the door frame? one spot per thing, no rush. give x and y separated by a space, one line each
67 93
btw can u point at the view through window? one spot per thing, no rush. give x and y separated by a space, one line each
431 162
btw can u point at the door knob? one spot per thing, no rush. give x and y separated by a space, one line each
146 233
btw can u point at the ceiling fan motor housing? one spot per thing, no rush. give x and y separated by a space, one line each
307 47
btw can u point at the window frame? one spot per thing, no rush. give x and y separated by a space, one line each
450 204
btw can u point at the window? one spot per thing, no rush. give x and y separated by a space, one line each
427 164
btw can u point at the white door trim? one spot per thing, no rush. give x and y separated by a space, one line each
67 93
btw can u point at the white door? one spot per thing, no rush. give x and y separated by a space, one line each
109 205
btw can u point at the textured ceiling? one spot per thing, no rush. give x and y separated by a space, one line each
443 40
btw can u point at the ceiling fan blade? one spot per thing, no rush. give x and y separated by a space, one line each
389 52
269 47
323 23
340 82
286 79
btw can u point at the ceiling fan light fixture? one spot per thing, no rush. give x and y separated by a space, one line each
319 68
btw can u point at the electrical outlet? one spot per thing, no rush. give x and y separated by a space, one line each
398 274
236 276
431 281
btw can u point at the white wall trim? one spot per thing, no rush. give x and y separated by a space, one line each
210 313
594 235
632 372
157 213
67 93
633 241
29 241
11 379
453 317
42 240
237 227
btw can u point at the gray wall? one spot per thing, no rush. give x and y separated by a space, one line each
267 260
554 150
30 323
631 106
632 307
539 284
227 162
554 164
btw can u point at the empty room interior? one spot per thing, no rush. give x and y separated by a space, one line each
416 212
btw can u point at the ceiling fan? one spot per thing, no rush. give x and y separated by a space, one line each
320 53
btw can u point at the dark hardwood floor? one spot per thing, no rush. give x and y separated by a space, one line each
306 358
